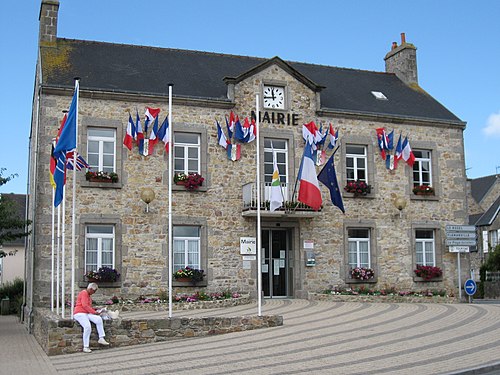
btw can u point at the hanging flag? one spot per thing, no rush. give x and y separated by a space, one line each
407 153
321 142
66 142
252 130
239 133
390 141
320 157
221 137
309 192
129 135
163 133
150 115
398 152
140 134
328 177
383 141
311 134
390 162
332 137
153 137
53 159
234 151
80 161
276 198
230 125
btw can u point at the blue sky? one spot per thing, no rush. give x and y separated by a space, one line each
458 53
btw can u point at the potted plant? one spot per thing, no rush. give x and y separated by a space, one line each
190 181
358 188
423 190
101 176
105 274
189 274
428 272
362 273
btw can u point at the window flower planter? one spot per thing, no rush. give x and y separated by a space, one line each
362 273
423 190
101 177
427 273
190 181
189 275
358 188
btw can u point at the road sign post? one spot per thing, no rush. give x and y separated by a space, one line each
470 288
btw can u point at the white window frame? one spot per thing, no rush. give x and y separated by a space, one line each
355 167
357 241
185 147
186 241
282 166
421 245
418 167
493 238
100 237
100 141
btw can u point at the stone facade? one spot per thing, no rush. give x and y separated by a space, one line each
141 237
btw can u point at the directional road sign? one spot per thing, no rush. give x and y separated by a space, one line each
453 235
460 242
470 287
461 228
459 249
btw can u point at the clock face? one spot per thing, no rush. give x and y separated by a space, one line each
274 97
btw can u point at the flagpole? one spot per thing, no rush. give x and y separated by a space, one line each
170 178
73 221
52 253
63 255
58 258
259 239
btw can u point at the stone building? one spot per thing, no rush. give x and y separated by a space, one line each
304 250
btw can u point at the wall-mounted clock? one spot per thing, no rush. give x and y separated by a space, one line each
274 97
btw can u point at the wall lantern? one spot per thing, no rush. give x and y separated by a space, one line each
147 195
400 204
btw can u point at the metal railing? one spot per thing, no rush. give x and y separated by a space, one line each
492 276
290 202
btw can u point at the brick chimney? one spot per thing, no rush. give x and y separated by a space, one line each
402 61
48 20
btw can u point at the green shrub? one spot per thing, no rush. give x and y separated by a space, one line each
14 291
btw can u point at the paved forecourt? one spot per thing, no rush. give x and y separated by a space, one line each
317 338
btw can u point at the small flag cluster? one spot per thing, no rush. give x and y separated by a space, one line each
245 133
317 139
401 151
144 138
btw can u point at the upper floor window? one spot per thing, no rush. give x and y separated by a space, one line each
187 152
101 146
186 247
99 247
277 148
425 247
359 247
356 163
422 169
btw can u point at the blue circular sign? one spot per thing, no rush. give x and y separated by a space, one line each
470 287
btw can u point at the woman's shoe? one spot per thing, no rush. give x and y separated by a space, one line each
87 350
102 341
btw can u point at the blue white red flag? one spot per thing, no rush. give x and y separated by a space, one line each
311 134
163 133
332 137
221 137
390 162
150 115
230 125
153 137
407 154
328 177
382 141
252 130
140 134
234 151
130 134
309 191
80 161
398 152
390 141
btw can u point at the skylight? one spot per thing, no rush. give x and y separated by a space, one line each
379 95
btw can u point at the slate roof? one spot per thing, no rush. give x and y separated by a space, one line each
490 215
148 70
480 186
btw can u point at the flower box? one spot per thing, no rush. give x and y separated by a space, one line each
188 274
423 190
358 188
362 273
191 181
103 274
101 177
427 273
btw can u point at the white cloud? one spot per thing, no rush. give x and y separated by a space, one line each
493 125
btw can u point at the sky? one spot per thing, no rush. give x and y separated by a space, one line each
458 51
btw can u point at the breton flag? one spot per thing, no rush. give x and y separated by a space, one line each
163 133
332 137
329 178
130 135
309 192
80 161
311 134
153 137
140 134
276 198
66 142
398 153
221 137
407 153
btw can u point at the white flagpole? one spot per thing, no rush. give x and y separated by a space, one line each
58 258
170 177
73 226
63 255
52 253
259 239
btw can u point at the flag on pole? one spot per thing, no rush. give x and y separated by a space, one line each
221 137
66 142
390 162
153 137
407 153
382 141
230 125
163 133
80 161
140 134
276 198
150 115
333 137
328 177
311 134
398 152
309 192
130 135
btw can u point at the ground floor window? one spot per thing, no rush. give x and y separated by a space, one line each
359 247
425 247
99 247
186 247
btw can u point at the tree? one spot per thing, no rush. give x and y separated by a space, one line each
12 226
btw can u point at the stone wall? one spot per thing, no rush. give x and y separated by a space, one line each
492 289
64 336
380 299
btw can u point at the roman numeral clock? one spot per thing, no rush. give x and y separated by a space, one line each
274 97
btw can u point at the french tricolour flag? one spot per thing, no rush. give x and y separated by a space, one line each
163 133
151 114
309 191
407 154
221 137
153 137
129 136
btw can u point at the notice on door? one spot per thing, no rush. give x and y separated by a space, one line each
248 246
276 266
